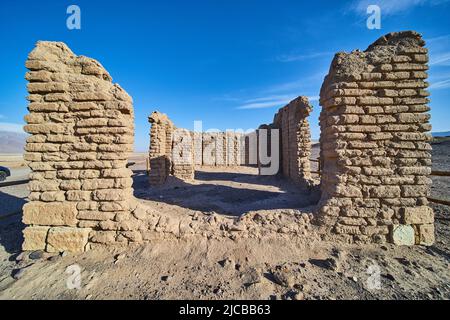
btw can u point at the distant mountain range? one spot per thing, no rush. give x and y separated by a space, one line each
441 134
12 142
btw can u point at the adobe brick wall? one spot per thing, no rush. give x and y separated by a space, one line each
198 148
375 155
268 144
81 127
375 149
295 140
209 148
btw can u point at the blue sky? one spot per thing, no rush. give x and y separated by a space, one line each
229 63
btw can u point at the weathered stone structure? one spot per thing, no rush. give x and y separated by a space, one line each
81 127
295 140
375 155
374 144
183 154
209 145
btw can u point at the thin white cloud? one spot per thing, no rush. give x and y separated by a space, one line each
392 7
11 127
444 84
302 57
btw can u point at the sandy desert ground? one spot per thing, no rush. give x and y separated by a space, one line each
278 268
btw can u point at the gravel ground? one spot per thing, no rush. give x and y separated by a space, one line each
441 162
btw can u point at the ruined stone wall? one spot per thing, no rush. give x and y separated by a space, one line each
160 148
224 149
183 155
221 149
295 140
198 148
176 152
209 148
375 149
81 127
236 149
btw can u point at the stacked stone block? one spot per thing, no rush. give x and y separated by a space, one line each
198 148
160 148
81 133
171 147
375 149
268 143
183 155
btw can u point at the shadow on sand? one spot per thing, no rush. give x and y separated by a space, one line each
223 199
